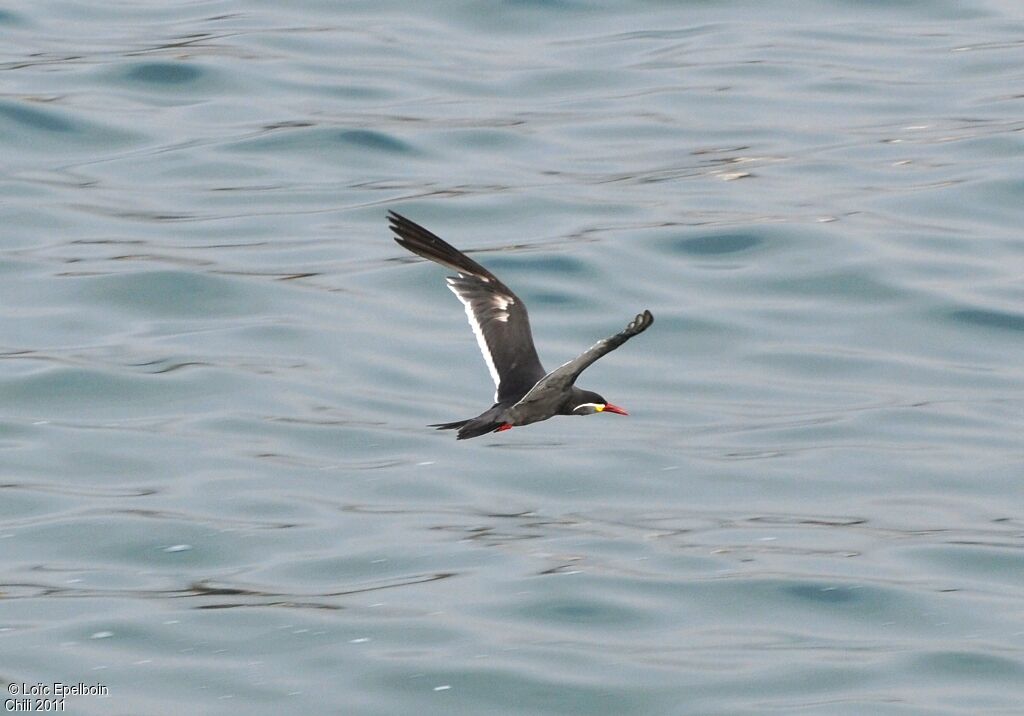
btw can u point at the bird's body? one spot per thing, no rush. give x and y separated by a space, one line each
525 393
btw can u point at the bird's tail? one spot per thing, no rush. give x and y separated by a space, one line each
471 428
449 426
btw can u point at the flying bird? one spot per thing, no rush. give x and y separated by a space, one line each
524 392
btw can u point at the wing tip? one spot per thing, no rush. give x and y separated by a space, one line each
416 238
423 242
642 322
401 226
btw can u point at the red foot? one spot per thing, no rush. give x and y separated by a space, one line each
506 426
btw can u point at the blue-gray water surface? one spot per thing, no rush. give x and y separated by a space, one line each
219 491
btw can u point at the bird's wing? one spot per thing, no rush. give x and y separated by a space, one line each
562 378
496 315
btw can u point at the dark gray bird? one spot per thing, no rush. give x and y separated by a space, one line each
526 393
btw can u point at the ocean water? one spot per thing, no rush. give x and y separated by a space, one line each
218 491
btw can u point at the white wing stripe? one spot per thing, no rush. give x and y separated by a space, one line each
478 332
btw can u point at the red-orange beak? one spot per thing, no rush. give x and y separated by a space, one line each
609 408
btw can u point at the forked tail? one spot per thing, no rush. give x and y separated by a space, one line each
471 428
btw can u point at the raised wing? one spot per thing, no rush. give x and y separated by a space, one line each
562 378
498 318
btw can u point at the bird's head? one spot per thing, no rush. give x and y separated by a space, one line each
586 402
